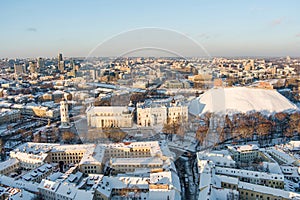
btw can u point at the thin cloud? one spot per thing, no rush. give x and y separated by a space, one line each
277 22
257 9
31 29
206 36
203 36
298 35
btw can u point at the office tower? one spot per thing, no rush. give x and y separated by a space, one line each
40 63
61 63
19 68
59 57
32 66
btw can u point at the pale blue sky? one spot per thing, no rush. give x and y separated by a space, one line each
35 28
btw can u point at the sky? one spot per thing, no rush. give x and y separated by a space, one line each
35 28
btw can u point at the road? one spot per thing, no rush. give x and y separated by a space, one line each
188 175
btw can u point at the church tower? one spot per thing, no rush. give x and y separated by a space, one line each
64 114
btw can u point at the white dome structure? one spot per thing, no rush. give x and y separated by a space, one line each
240 100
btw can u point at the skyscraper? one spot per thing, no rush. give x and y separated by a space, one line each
32 66
19 68
40 64
61 63
59 57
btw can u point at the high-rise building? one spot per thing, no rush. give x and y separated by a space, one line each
61 66
19 68
59 57
32 66
40 63
61 63
288 59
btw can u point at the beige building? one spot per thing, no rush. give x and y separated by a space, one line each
254 192
69 153
39 111
109 117
176 84
177 114
92 161
124 165
90 157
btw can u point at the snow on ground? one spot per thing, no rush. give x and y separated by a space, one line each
240 100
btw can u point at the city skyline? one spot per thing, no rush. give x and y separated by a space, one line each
150 100
42 29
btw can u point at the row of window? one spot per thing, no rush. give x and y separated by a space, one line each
256 195
67 153
8 169
133 165
50 195
90 167
77 158
90 171
108 114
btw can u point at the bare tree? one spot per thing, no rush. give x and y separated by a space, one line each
263 130
201 134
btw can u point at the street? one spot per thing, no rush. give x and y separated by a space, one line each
188 175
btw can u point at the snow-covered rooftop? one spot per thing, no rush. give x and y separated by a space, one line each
244 148
136 161
249 174
93 155
8 163
219 158
268 190
240 100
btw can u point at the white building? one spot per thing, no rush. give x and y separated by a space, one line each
7 116
219 158
36 175
254 177
29 161
153 186
9 166
244 153
50 190
151 116
154 114
32 155
109 117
